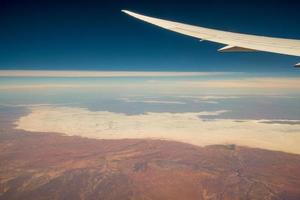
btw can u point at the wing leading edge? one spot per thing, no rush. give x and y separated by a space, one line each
234 41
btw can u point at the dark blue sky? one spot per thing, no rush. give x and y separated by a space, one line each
95 35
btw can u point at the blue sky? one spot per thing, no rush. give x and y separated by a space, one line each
95 35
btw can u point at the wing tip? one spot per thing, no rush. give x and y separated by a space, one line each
126 11
297 65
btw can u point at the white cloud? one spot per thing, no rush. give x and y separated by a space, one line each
217 97
185 127
211 99
151 101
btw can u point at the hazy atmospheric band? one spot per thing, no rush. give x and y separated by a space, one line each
48 73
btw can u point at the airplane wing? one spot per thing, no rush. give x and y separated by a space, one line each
234 42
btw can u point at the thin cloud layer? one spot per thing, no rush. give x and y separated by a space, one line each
127 100
217 97
249 83
175 85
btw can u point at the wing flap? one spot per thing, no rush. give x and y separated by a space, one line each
230 48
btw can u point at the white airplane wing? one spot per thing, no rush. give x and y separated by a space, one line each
235 42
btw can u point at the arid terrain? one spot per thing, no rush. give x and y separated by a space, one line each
52 166
138 100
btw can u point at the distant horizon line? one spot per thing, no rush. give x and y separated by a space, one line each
106 73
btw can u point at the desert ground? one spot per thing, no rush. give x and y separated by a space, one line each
55 166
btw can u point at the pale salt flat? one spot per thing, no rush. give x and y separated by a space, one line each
189 127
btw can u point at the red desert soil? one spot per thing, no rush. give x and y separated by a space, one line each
50 166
